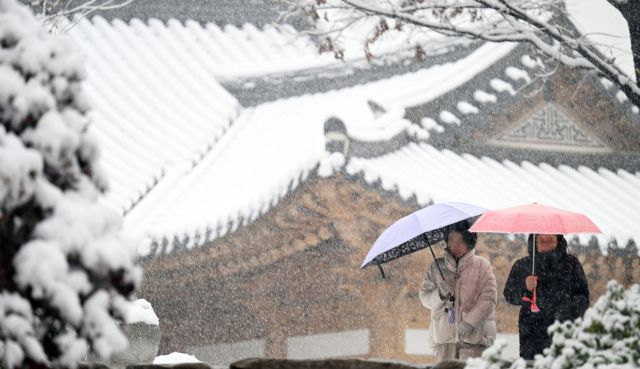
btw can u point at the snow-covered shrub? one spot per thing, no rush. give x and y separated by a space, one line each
65 269
608 336
493 358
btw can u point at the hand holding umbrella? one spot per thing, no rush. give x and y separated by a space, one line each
443 289
532 283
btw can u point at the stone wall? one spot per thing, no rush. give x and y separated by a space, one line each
143 341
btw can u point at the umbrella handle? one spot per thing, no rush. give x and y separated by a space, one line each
424 235
533 268
435 260
380 267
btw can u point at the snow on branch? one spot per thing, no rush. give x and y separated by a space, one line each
55 13
607 336
362 24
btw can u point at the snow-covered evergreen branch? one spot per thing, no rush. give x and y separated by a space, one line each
608 336
56 13
65 268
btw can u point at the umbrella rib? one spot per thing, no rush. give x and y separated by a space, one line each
515 222
564 226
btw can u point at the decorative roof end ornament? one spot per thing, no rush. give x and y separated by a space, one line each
335 133
377 110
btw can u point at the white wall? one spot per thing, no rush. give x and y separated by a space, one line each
416 342
226 353
513 345
319 346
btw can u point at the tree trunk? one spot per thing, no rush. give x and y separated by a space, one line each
630 10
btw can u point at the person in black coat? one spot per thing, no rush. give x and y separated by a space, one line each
562 291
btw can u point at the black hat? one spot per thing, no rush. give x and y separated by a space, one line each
462 227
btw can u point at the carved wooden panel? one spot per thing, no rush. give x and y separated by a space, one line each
548 125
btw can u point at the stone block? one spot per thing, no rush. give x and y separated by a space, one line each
86 365
319 364
450 364
174 366
144 340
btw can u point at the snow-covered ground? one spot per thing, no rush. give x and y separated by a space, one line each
175 358
140 311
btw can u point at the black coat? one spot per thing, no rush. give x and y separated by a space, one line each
562 294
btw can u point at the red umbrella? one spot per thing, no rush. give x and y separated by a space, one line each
536 219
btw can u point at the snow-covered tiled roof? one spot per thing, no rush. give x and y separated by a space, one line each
482 104
429 84
221 53
180 148
156 96
611 200
154 106
510 81
271 148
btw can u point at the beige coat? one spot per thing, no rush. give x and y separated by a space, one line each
474 286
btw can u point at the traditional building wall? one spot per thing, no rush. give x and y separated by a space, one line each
295 272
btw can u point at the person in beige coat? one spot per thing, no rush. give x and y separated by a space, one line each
462 326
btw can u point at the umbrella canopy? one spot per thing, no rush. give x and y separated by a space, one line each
418 230
534 218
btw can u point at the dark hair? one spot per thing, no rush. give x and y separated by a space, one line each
462 227
562 243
